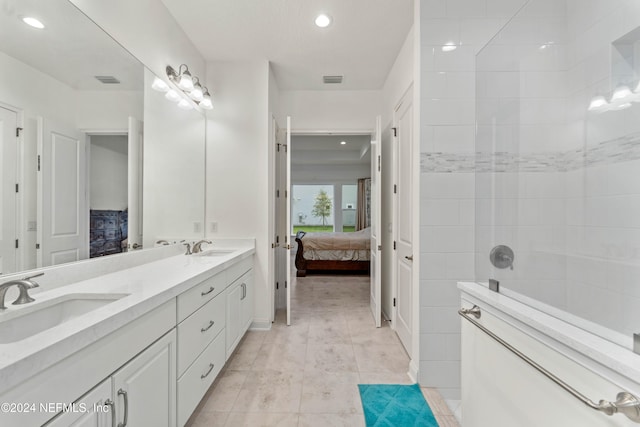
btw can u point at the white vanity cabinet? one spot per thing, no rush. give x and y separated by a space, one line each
94 409
141 393
239 298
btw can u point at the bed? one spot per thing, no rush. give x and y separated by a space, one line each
333 252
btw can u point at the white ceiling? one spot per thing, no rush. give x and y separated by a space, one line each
361 44
326 150
71 48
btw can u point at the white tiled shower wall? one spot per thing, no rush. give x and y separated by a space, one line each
447 197
571 207
522 143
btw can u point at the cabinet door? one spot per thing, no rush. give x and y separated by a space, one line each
232 327
94 409
246 309
145 388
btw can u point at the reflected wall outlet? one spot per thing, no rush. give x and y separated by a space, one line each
213 227
197 227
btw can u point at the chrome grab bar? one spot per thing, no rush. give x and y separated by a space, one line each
626 403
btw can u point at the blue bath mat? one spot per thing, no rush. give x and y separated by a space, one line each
392 405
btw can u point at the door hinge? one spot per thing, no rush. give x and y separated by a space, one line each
395 131
285 284
16 243
394 245
38 162
394 302
379 247
37 245
17 188
395 189
286 147
277 193
277 285
286 194
18 130
379 163
278 147
278 240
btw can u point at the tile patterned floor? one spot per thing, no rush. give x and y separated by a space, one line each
306 374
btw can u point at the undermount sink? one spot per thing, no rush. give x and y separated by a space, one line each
216 252
38 317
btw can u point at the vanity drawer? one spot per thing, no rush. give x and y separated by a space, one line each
238 269
196 297
197 331
198 378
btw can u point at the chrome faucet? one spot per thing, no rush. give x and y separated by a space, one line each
23 285
188 245
197 247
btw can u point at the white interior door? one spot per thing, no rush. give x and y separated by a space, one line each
8 180
63 213
287 198
376 224
403 120
134 183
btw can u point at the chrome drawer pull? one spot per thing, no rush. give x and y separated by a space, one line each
208 372
112 409
211 322
124 422
211 289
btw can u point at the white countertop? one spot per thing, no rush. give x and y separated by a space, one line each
148 286
610 358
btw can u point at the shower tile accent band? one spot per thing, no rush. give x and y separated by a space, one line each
623 149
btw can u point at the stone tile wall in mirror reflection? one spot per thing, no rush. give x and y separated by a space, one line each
81 127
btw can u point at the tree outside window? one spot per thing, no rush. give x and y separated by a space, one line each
322 206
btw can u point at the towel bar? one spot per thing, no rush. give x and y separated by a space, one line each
625 403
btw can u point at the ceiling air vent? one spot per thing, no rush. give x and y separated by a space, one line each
332 79
108 80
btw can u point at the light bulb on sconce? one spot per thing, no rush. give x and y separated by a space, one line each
206 102
598 103
621 95
196 94
159 85
183 104
172 95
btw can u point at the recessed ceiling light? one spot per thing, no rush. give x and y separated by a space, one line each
33 22
343 143
323 20
449 47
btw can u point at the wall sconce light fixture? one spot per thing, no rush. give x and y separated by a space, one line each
187 92
620 99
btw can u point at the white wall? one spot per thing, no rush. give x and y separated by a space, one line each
331 110
237 192
398 81
447 196
108 110
108 172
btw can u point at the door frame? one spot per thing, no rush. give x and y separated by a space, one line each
88 134
20 208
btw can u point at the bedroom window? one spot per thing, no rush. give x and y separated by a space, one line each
312 208
349 207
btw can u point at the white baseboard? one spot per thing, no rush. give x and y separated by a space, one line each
260 325
413 371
